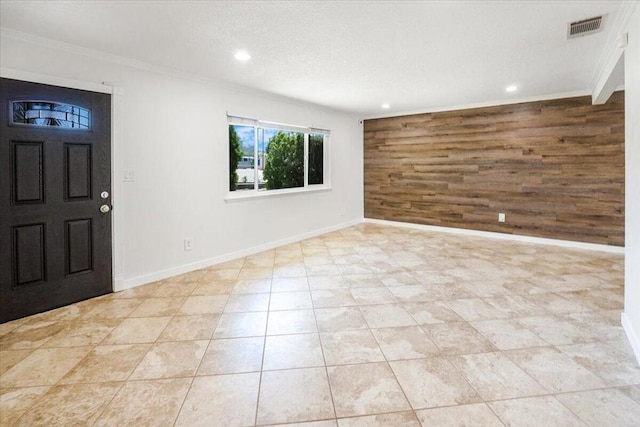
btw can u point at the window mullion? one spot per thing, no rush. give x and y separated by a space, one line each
306 160
256 183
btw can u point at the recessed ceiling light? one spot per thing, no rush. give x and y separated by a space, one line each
511 88
242 55
386 106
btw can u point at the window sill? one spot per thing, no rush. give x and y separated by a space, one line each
237 196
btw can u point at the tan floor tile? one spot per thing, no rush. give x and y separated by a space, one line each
614 366
243 303
457 338
203 304
236 325
600 327
365 389
15 402
355 281
290 270
475 415
137 330
151 307
43 367
535 412
214 288
294 395
554 371
353 268
494 376
332 298
327 283
412 293
339 319
427 313
290 301
322 270
386 316
171 360
632 391
326 423
293 351
508 334
221 400
107 363
346 347
112 308
148 403
175 289
369 296
555 330
78 404
83 333
398 419
409 342
255 273
10 358
291 322
189 328
223 273
516 306
143 291
289 284
557 304
252 286
7 327
30 336
608 407
433 382
232 356
475 309
399 279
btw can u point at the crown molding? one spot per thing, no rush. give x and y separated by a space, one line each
494 103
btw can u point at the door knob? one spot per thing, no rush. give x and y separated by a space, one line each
105 208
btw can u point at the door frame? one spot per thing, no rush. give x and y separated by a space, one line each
116 92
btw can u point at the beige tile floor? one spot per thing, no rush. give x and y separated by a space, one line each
368 326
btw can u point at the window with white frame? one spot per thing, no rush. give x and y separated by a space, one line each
267 156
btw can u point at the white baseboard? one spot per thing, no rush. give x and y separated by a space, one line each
123 284
502 236
632 335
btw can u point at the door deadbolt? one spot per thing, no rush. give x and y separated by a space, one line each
104 194
104 209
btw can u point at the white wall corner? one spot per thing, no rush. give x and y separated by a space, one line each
632 335
604 81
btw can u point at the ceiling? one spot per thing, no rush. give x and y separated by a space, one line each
348 55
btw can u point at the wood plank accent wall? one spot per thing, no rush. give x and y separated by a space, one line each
555 168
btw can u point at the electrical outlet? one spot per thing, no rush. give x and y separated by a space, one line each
188 244
501 217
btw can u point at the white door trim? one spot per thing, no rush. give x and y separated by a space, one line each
117 247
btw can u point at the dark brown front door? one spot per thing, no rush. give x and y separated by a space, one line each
55 175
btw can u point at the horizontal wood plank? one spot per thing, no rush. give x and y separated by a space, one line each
556 168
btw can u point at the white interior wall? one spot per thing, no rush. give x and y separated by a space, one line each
173 132
631 315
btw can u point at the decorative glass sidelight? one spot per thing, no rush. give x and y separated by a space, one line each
50 113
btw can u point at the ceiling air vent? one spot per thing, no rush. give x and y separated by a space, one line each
584 27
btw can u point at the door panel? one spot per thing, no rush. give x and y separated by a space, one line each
55 157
